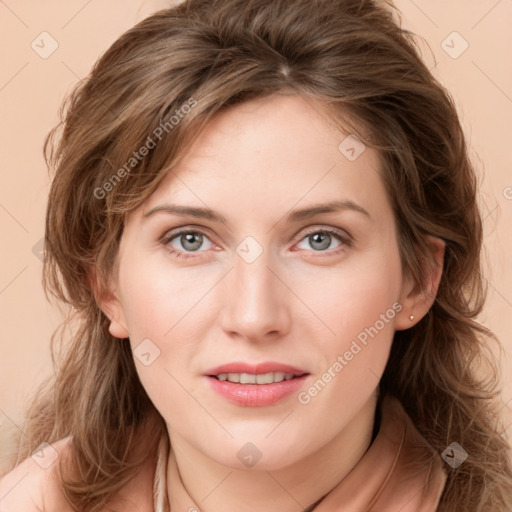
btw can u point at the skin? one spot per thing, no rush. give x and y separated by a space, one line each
298 303
301 302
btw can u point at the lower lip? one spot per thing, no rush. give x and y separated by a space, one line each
256 395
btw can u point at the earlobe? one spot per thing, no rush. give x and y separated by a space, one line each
113 310
118 329
109 303
418 298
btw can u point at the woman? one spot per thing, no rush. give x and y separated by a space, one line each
255 369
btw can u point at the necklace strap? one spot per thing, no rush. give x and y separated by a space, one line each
161 503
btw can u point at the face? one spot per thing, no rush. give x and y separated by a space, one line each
262 275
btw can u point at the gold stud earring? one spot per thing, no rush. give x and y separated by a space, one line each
411 318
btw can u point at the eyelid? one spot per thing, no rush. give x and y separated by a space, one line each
342 233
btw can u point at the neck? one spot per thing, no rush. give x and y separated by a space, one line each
196 483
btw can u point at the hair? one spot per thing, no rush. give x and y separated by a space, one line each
190 62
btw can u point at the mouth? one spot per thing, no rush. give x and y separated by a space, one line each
250 378
256 385
262 373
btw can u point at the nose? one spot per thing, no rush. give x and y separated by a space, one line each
255 301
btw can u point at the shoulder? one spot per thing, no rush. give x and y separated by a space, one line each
32 486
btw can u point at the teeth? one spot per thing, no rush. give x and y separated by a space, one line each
244 378
268 378
249 378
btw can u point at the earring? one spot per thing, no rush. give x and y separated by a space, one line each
411 318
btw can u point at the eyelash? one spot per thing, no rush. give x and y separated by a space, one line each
346 241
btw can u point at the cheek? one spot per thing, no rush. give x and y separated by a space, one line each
164 313
158 300
354 297
359 309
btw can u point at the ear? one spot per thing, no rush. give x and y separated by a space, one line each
108 301
417 298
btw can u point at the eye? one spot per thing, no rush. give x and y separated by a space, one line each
184 243
190 241
321 240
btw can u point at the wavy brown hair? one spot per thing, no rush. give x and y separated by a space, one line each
355 59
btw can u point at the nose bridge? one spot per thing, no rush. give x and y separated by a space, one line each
255 302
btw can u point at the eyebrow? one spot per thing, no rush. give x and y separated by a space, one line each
293 216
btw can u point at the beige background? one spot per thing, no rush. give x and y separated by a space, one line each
32 87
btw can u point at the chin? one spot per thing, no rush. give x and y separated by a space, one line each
256 456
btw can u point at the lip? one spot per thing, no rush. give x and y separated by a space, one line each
256 395
255 369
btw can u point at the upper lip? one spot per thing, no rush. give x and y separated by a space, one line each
255 369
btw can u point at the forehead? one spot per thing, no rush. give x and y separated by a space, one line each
282 150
